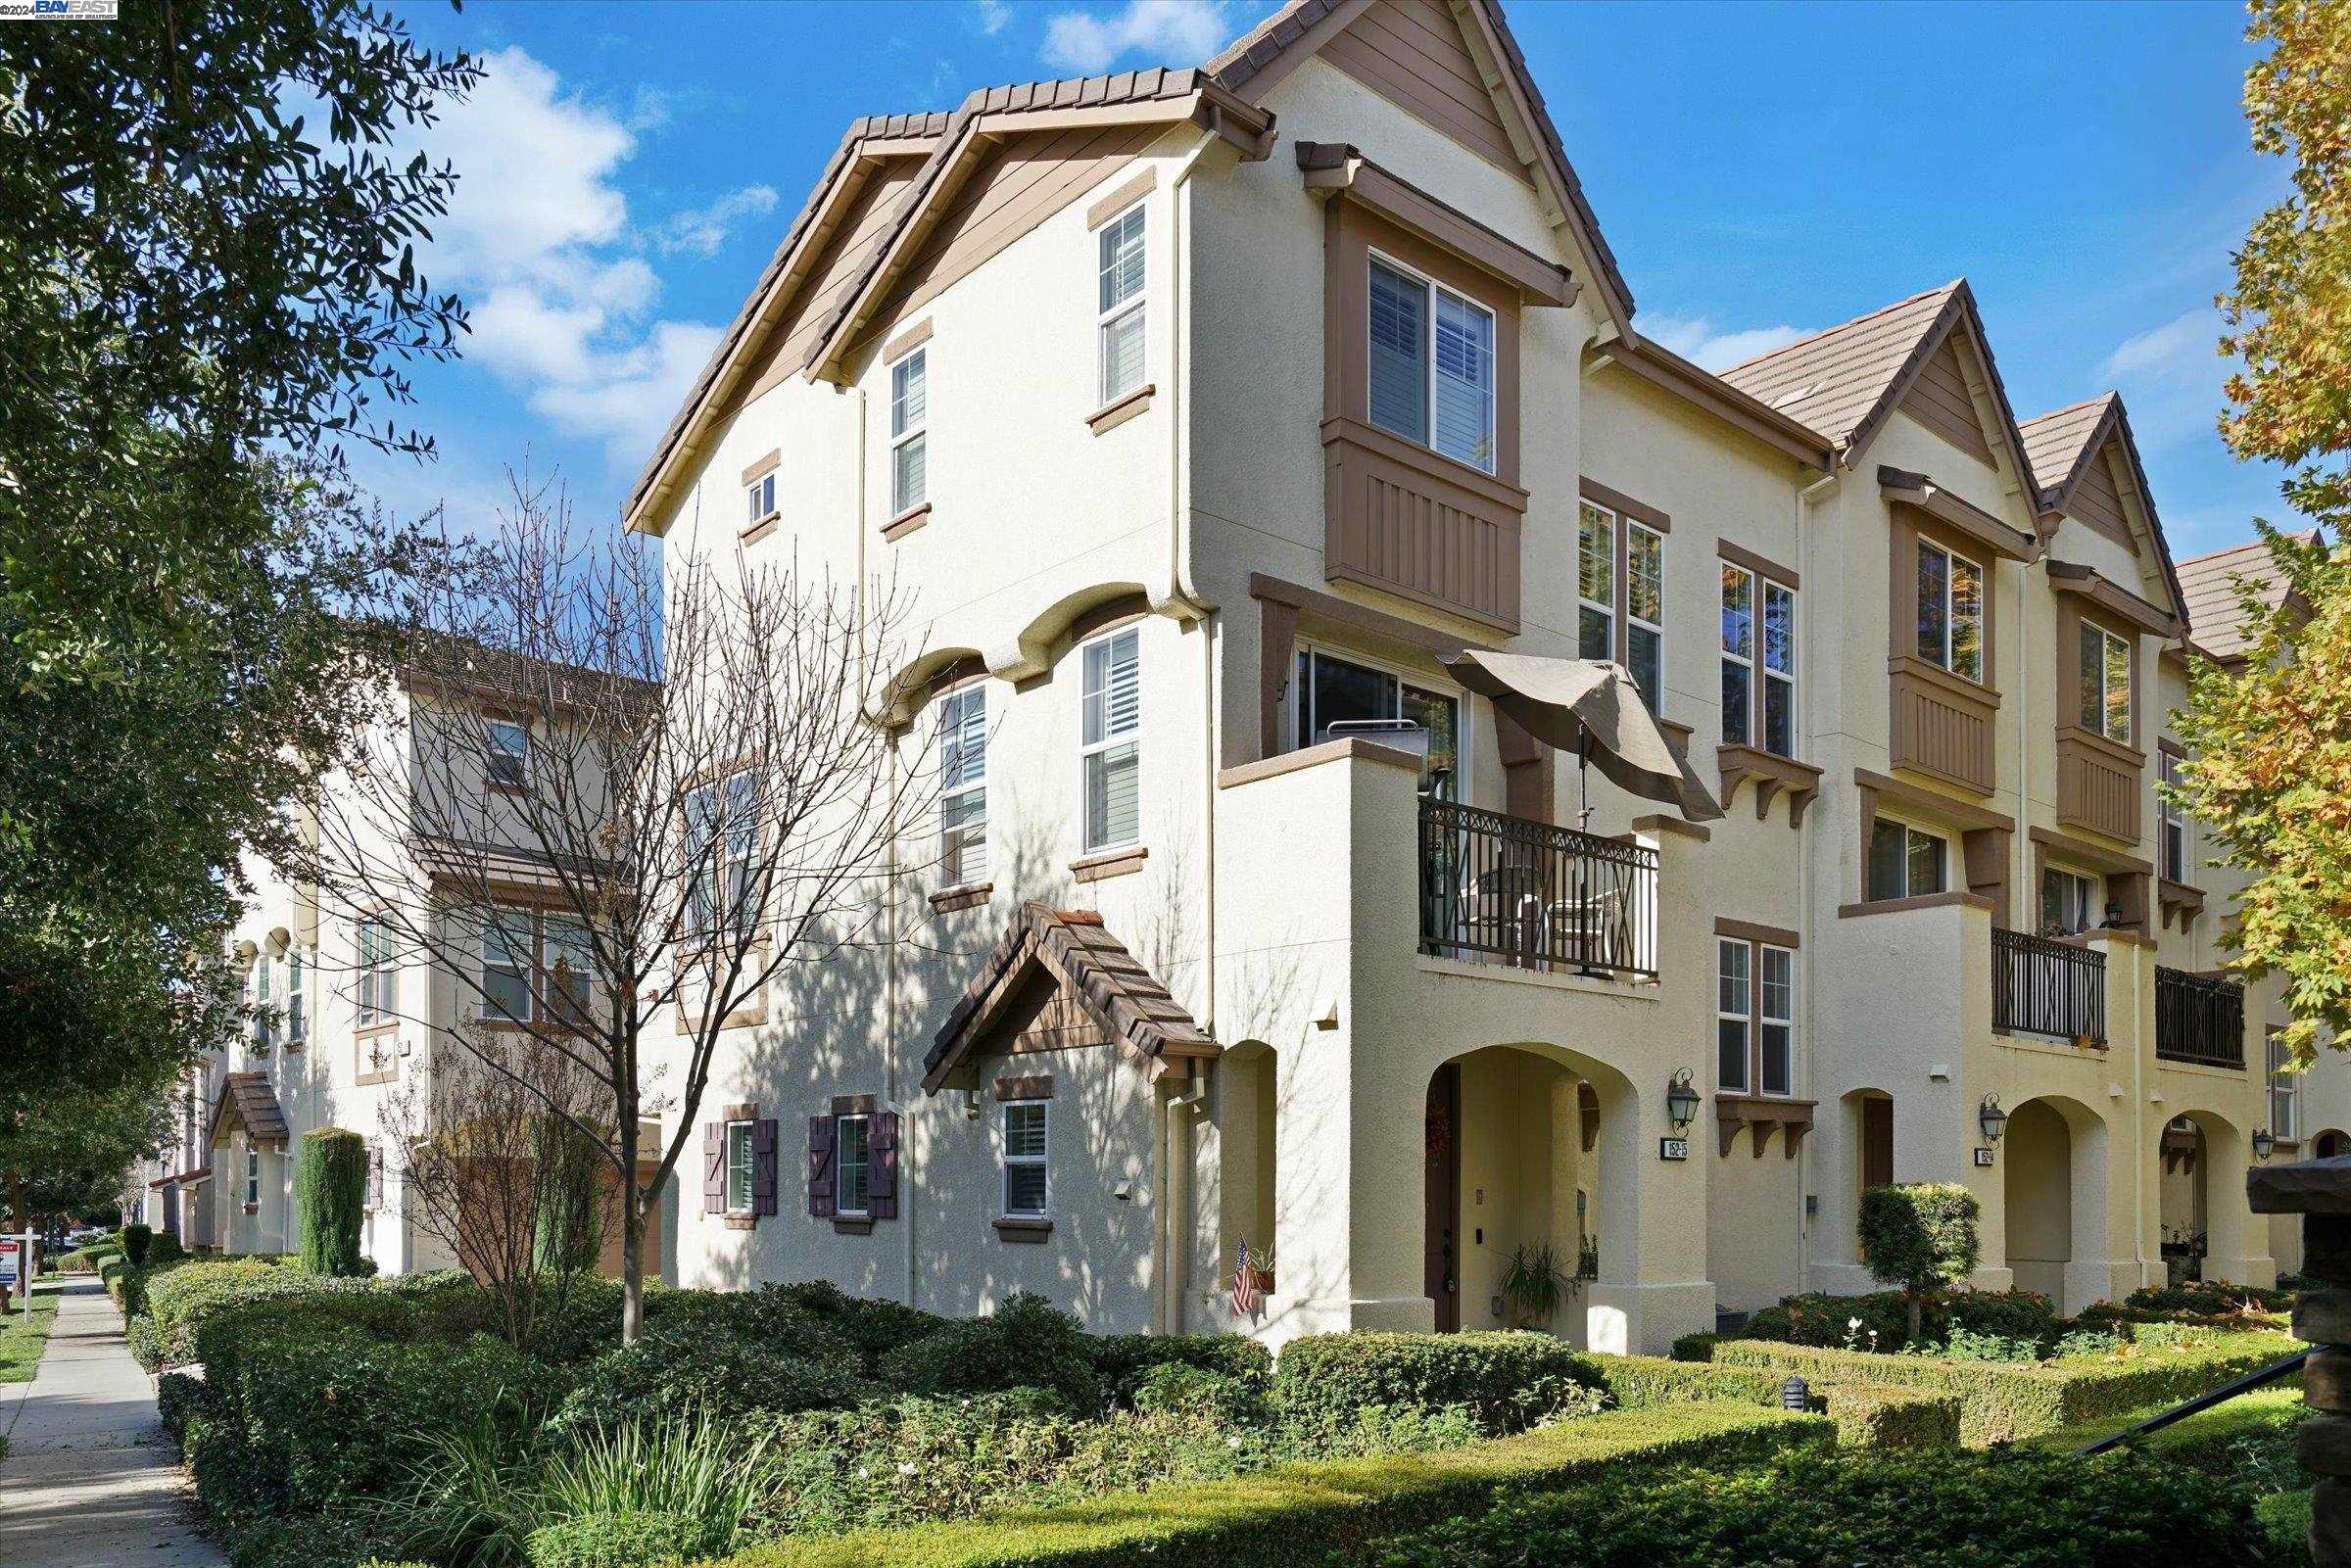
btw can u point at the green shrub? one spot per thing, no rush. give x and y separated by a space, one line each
330 1200
2283 1520
1697 1347
165 1248
1025 1343
1179 1388
1919 1237
2209 1299
135 1239
875 1327
1870 1415
184 1298
176 1395
1305 1512
1637 1382
2004 1402
1938 1510
625 1541
679 1367
1325 1381
1124 1360
86 1260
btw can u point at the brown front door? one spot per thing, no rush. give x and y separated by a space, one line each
1877 1143
1442 1178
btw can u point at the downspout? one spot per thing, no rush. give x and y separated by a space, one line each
1804 852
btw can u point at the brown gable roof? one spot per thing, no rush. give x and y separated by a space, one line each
2208 582
2061 445
249 1098
1259 58
1089 966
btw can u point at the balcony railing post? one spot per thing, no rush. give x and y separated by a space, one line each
2199 1019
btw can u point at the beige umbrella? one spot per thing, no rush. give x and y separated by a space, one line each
1593 709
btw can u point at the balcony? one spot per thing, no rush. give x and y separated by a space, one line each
2040 985
1534 895
2199 1020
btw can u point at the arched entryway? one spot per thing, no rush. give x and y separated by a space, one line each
2205 1224
2330 1145
1512 1149
2054 1200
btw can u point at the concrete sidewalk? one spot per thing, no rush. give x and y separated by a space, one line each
90 1481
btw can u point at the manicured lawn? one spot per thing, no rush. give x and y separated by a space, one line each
2264 1410
24 1338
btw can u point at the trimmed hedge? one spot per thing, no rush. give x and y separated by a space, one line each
1314 1512
621 1540
1122 1361
1823 1320
1326 1381
2003 1400
330 1200
1871 1416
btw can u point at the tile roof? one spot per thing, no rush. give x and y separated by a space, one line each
2215 618
1837 381
248 1097
2056 443
1089 963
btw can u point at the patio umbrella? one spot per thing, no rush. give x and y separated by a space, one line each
1591 708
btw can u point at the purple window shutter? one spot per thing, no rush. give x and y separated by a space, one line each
714 1168
763 1168
820 1166
881 1179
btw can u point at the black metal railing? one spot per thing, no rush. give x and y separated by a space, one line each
1534 894
2044 986
2198 1019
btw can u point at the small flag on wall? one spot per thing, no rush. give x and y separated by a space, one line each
1245 1299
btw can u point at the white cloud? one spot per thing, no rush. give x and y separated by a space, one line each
703 229
2170 377
1695 339
1173 33
539 242
2184 346
994 16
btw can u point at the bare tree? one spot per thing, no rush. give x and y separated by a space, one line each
619 808
501 1176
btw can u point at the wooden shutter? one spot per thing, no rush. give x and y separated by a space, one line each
714 1168
763 1168
882 1178
820 1166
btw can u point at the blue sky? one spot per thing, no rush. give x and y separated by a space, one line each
1759 169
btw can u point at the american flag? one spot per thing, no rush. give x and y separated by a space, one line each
1245 1299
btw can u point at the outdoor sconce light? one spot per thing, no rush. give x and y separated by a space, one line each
1681 1100
1991 1118
2264 1144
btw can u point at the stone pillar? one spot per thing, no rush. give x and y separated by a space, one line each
2319 1190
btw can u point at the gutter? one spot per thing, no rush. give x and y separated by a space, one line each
1805 832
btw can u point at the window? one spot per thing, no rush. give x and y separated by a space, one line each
1595 583
1779 669
1738 656
2286 1091
909 431
2175 820
1734 1007
1620 571
1024 1149
852 1166
264 1020
759 498
1119 337
1905 862
297 1023
374 1198
963 784
1332 688
2106 682
510 753
1645 612
505 966
566 970
1110 739
1776 1021
253 1177
2071 901
1950 611
378 978
1759 661
722 841
738 1168
1431 353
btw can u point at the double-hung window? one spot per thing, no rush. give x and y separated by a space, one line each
1596 583
909 431
1905 862
1620 580
1775 1019
1118 333
566 970
1754 1017
253 1176
738 1168
1645 611
508 752
298 1023
852 1166
1111 739
1738 656
378 973
1734 1015
1026 1145
1778 692
1759 661
2071 901
2175 820
2286 1090
1950 611
722 843
1334 689
505 964
2106 682
264 1022
759 498
1431 364
963 784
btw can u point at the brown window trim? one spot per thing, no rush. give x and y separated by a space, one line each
2087 585
906 342
1118 201
759 528
1616 500
1762 570
1120 410
764 466
969 895
906 522
1746 930
1759 1114
1036 1086
1952 899
1772 774
1760 565
1109 863
852 1225
1982 834
1755 939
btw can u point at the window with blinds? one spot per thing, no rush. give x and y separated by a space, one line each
909 431
1110 739
1120 333
1430 365
963 784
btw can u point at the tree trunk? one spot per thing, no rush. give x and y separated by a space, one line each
1910 1300
632 1230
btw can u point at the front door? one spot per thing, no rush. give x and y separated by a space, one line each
1442 1179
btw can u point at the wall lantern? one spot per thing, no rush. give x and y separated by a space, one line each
1681 1100
1991 1118
2264 1144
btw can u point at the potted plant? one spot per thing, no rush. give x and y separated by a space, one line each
1260 1268
1533 1284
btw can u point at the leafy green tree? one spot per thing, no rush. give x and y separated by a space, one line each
1919 1237
2271 742
330 1199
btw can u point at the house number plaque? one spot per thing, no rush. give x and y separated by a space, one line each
1673 1148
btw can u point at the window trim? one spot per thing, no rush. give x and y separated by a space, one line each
252 1175
494 753
1385 256
750 1168
377 1001
759 500
842 1209
1007 1161
2090 885
2281 1088
1757 1018
1136 304
727 893
1745 1019
1628 517
1910 828
1088 845
918 430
